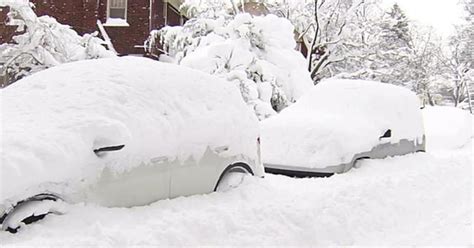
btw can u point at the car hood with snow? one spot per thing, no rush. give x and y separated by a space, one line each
338 119
55 119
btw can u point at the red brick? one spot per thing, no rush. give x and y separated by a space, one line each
82 16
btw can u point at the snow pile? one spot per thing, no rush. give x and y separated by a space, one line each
417 199
338 119
43 42
255 53
422 199
54 119
447 127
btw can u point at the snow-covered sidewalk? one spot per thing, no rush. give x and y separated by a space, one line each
418 199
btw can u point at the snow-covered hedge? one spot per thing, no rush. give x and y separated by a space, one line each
43 42
256 53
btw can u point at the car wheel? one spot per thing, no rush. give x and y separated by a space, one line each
232 178
31 210
357 162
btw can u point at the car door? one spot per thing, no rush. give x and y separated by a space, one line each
196 176
141 185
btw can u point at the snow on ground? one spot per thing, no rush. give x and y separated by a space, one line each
448 127
417 199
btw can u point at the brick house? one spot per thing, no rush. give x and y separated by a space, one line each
127 22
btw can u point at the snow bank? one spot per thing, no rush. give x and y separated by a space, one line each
338 119
447 127
418 199
54 119
255 53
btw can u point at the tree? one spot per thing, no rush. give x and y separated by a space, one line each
390 48
255 53
395 28
211 9
458 61
42 42
424 66
326 28
355 39
456 69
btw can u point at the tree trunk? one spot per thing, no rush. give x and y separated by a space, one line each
313 43
469 97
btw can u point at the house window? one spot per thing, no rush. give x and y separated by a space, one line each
118 9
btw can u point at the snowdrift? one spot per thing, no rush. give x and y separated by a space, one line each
338 119
54 119
447 127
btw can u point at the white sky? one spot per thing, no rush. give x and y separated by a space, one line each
441 14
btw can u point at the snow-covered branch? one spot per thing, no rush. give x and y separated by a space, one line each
42 42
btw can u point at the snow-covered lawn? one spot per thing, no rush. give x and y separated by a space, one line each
417 199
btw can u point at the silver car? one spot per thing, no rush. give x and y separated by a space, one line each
120 132
339 122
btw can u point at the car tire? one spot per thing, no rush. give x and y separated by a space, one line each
232 177
357 164
31 210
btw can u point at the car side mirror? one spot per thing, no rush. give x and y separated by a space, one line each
387 134
100 151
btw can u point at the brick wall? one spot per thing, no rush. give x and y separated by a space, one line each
79 14
6 31
126 38
82 16
173 17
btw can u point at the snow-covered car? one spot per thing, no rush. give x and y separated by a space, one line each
120 132
339 122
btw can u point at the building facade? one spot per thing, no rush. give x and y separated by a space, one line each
127 22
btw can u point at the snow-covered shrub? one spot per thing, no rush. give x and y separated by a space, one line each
178 40
208 8
42 42
256 53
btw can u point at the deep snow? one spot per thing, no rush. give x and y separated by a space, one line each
452 126
417 199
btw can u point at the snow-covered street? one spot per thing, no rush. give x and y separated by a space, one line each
242 123
417 199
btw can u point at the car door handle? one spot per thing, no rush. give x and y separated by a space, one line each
100 151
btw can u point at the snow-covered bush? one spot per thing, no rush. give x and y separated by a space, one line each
209 8
42 42
256 53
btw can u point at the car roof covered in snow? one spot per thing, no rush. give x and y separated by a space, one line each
54 119
337 119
